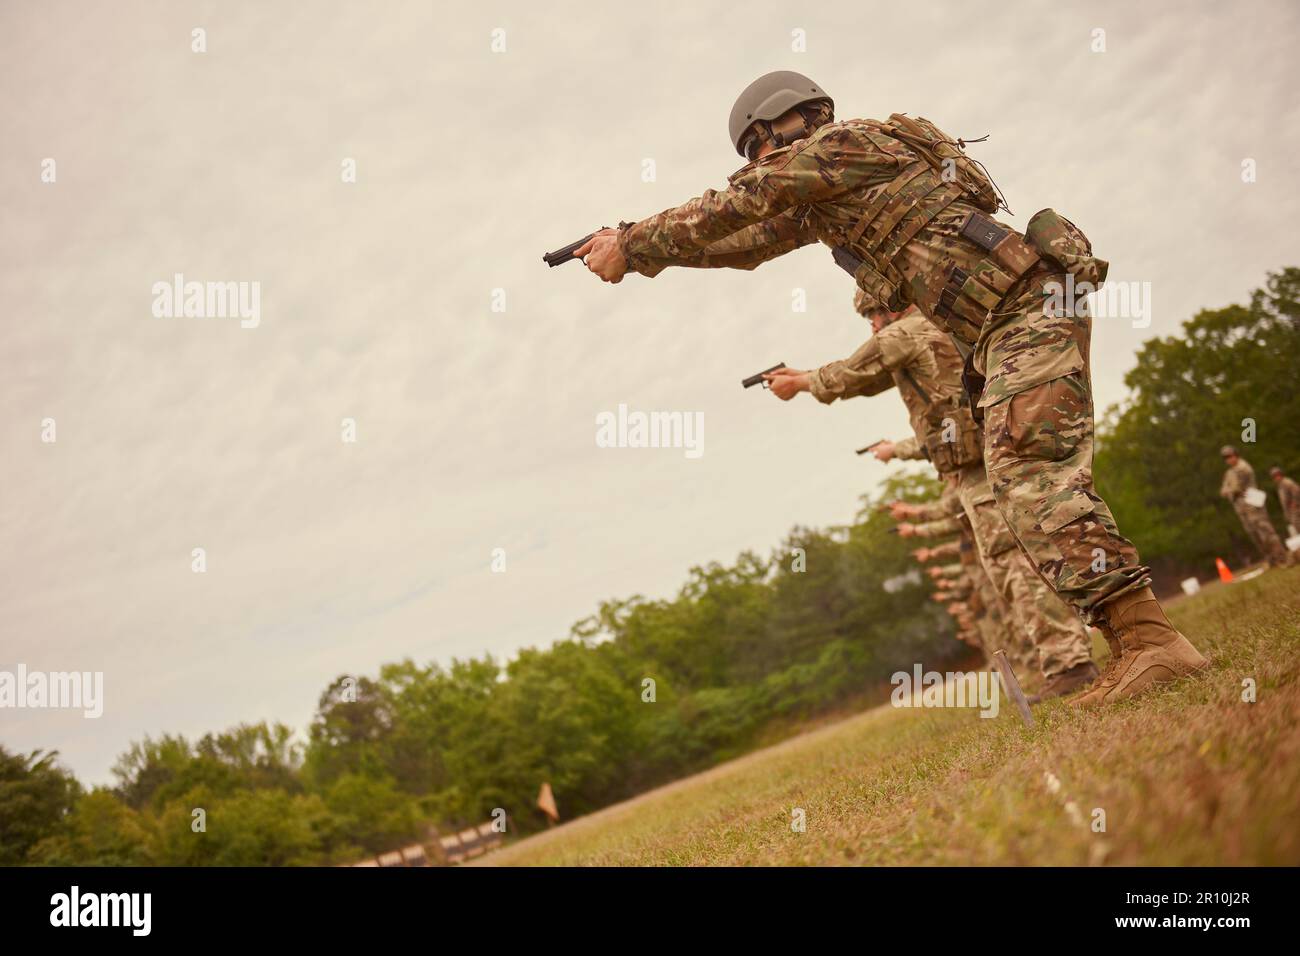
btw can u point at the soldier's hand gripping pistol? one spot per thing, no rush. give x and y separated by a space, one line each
566 253
758 377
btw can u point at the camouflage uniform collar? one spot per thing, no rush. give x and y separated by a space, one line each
767 160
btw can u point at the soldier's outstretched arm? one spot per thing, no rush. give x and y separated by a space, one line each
909 449
747 249
940 528
861 374
949 549
948 506
835 159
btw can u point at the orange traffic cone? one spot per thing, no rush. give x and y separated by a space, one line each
1225 575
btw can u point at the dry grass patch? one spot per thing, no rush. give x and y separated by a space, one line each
1189 774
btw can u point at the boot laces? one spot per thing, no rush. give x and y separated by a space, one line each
1108 673
1118 651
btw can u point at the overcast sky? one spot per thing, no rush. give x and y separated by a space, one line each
476 428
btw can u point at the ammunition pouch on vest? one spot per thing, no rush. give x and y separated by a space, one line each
919 192
968 298
972 382
916 195
1064 243
953 439
1050 239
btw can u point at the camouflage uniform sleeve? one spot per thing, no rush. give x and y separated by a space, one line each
862 373
1228 487
938 529
909 449
747 249
1237 479
869 371
1288 492
901 345
958 593
948 505
835 159
949 549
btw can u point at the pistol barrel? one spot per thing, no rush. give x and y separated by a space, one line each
758 378
565 253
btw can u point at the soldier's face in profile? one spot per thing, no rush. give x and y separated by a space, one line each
756 147
1230 460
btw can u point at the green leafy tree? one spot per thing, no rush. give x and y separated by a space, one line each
371 813
268 828
36 795
100 831
250 756
1228 378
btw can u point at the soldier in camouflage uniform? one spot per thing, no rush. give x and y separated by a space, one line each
910 353
947 516
1237 480
954 590
1288 494
987 621
993 618
909 215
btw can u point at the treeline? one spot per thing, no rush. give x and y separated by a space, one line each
646 691
641 693
1231 378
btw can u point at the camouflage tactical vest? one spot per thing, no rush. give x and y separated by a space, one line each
953 439
942 175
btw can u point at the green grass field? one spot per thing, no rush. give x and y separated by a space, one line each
1188 774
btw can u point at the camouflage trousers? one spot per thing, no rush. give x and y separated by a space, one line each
1261 531
1053 633
1292 518
1038 444
1291 515
993 619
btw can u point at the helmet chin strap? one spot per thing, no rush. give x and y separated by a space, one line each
799 124
791 132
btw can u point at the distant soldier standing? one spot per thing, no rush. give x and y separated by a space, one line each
909 215
1288 493
1238 481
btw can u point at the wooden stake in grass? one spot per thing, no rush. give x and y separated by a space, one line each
546 803
1013 686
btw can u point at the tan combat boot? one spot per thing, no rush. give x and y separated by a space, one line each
1151 651
1108 674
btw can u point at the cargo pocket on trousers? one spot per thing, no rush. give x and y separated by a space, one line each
1057 515
1046 422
